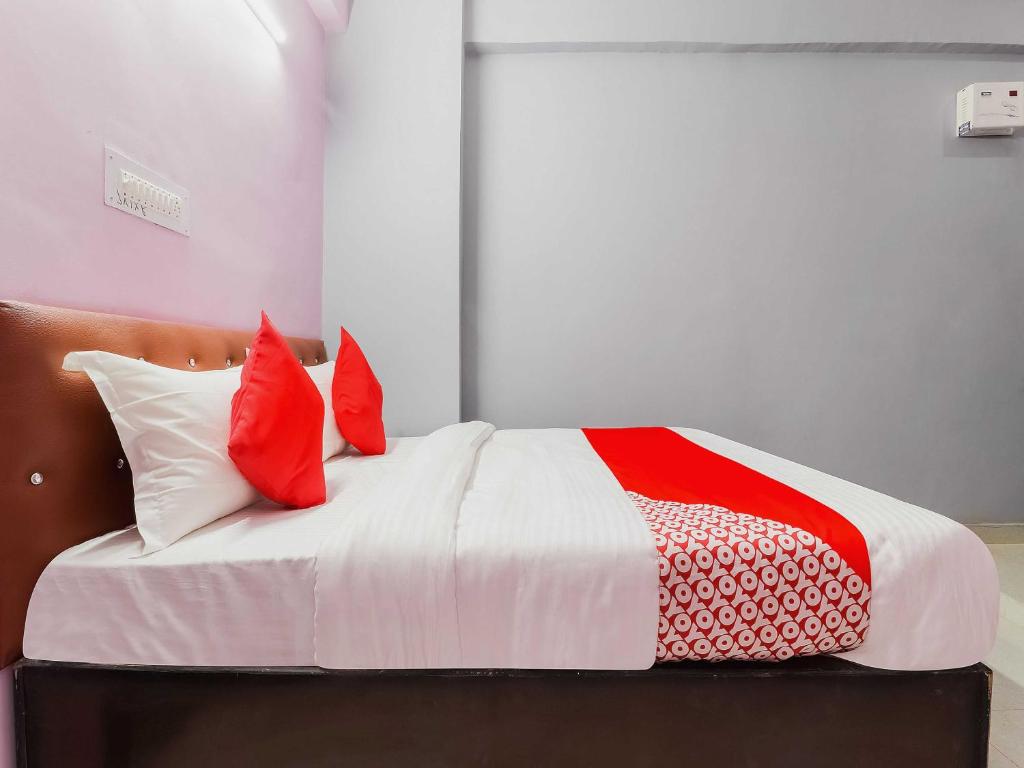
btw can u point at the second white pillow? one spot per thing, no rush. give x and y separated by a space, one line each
322 375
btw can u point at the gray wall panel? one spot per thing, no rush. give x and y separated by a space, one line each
787 249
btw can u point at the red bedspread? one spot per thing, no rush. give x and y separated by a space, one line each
750 568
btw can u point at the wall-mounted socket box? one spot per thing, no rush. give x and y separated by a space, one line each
135 189
990 109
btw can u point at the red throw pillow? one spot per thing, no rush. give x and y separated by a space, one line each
277 423
358 399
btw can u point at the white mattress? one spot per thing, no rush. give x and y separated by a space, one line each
492 571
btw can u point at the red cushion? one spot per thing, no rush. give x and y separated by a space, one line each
358 399
277 420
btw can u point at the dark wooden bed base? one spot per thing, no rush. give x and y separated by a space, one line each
63 480
819 712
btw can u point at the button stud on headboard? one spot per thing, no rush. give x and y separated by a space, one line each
120 463
36 478
227 363
191 362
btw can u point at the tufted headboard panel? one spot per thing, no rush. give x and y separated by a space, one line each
63 477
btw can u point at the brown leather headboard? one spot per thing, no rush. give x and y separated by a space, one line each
63 477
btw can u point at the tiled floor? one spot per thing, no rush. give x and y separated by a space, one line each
1006 745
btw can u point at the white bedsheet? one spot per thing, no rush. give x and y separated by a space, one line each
238 592
535 560
385 582
473 548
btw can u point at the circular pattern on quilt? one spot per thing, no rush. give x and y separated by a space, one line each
737 586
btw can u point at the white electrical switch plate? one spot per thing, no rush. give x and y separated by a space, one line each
135 189
990 109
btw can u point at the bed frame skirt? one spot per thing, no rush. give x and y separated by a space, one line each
804 712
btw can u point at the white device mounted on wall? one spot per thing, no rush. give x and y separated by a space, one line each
989 109
133 188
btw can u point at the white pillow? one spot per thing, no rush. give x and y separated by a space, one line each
323 375
174 427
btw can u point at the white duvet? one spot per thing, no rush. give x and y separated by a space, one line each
474 548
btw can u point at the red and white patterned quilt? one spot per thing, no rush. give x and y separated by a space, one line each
749 568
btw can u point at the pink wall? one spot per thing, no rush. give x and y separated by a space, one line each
199 92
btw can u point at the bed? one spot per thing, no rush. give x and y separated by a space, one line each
296 656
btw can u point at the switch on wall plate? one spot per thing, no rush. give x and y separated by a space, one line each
135 189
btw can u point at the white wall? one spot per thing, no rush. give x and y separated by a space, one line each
391 199
773 247
593 182
745 21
